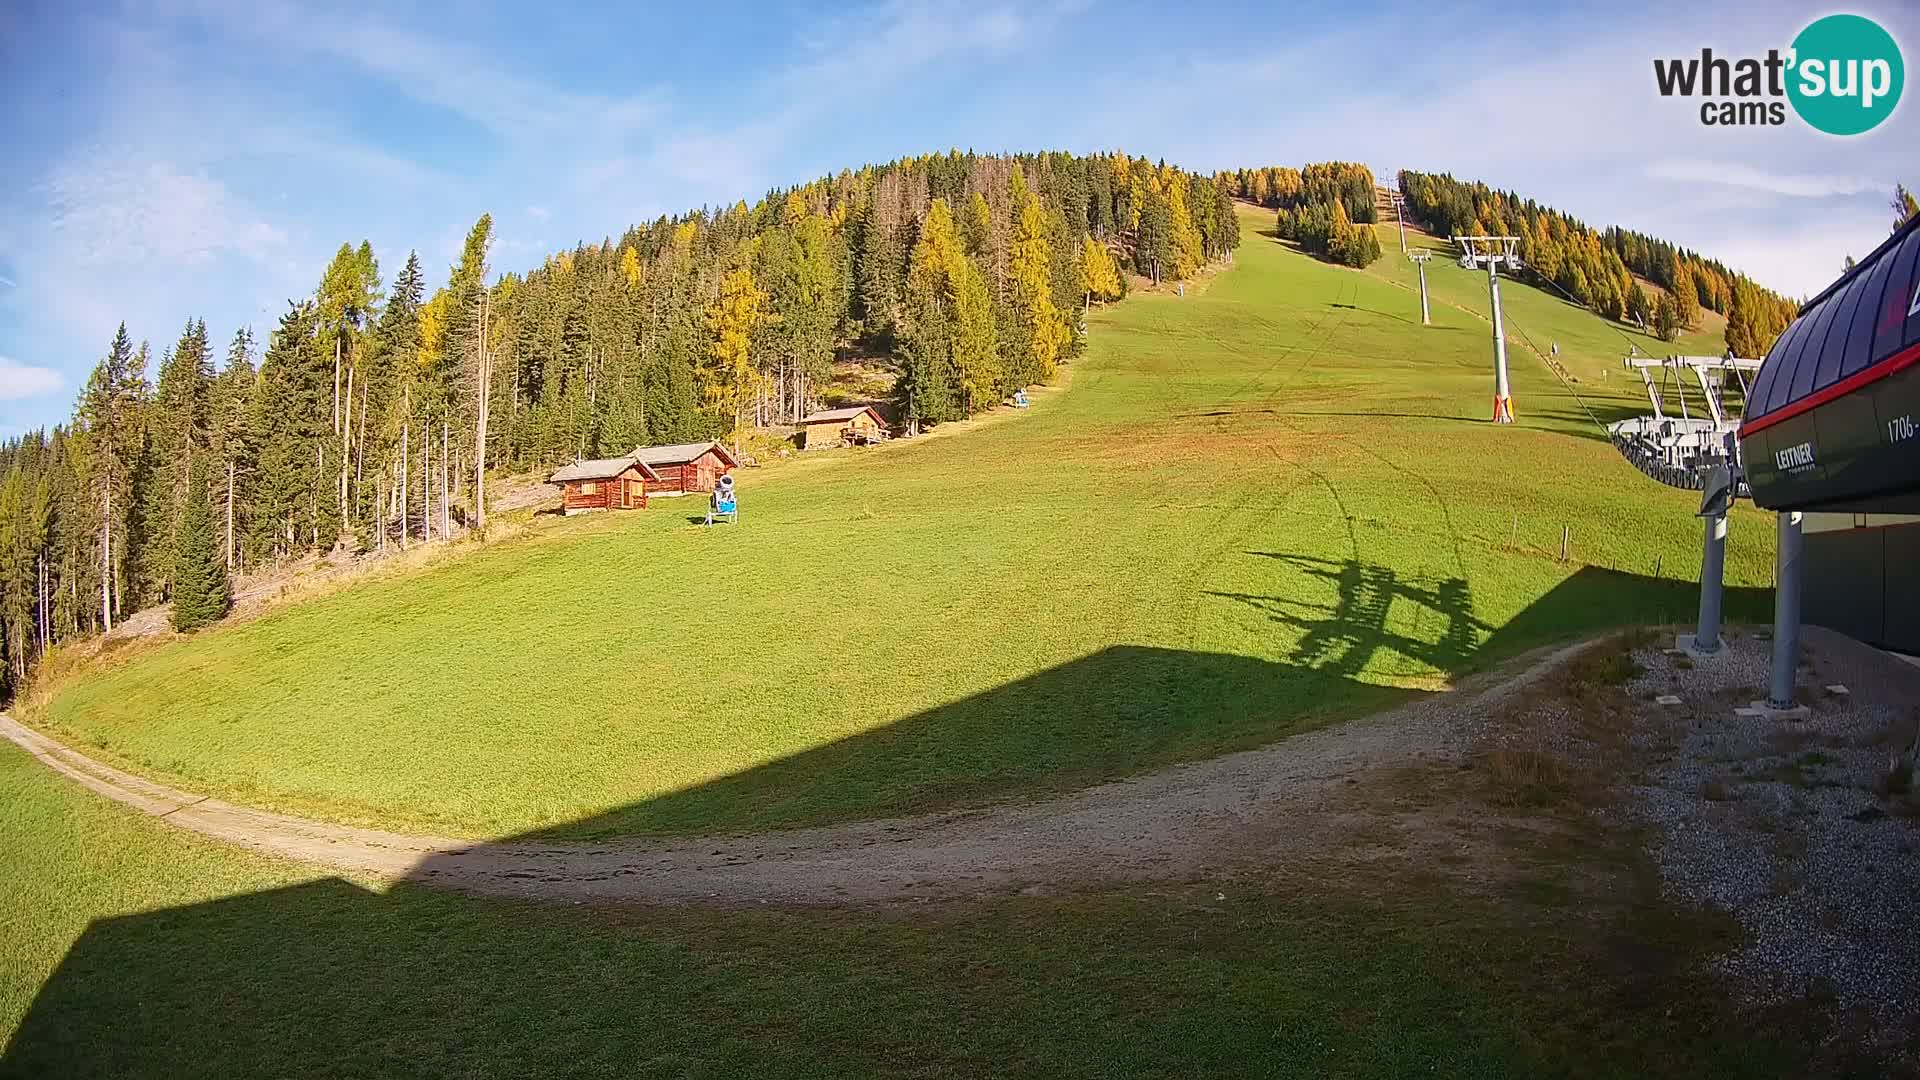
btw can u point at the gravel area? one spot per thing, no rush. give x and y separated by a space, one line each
1790 825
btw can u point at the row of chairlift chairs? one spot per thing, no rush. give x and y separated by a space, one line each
1680 451
1689 450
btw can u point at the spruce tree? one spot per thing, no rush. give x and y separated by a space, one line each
1666 318
201 592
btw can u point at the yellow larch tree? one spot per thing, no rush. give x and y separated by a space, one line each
1043 333
1097 268
729 380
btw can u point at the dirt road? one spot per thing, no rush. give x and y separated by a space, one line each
1264 811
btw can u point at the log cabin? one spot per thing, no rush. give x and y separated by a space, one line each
604 484
855 425
685 467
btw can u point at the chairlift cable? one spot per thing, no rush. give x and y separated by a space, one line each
1515 323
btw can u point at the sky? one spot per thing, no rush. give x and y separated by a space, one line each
203 159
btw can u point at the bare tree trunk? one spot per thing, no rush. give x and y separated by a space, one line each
336 384
313 496
446 509
426 483
406 450
480 425
346 444
229 516
106 555
360 442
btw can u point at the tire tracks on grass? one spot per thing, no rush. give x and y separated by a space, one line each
1262 813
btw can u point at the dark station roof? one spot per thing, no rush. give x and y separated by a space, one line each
1844 337
1831 416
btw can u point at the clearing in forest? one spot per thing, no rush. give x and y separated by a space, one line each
1251 510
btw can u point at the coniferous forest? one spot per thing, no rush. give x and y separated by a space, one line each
1323 207
372 414
1597 268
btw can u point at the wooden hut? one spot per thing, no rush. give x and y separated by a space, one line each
604 484
857 425
685 467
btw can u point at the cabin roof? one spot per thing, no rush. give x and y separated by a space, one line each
828 416
601 469
679 453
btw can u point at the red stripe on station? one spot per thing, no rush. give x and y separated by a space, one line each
1899 361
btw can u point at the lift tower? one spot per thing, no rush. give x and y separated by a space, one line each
1420 258
1491 252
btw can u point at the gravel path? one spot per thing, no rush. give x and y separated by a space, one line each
1788 824
1261 811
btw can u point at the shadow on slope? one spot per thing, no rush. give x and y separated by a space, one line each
1100 716
328 977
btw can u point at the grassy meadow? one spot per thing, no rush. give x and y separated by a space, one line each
1280 486
128 948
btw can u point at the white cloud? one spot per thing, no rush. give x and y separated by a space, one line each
439 71
18 380
1784 204
1733 174
103 212
539 213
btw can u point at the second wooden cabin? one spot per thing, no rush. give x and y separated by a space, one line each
857 425
685 467
604 484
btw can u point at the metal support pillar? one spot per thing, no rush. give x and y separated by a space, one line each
1426 316
1502 397
1713 561
1786 613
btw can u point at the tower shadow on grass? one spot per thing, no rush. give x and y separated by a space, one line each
327 977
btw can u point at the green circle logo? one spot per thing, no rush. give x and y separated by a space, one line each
1846 74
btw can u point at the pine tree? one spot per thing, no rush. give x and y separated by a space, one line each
1041 333
976 226
929 386
109 410
177 431
1905 206
1639 307
1184 239
1153 245
1666 317
1686 297
231 444
976 353
201 592
293 496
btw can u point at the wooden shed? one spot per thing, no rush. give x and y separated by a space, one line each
857 425
604 484
685 467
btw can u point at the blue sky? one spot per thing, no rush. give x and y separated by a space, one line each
205 158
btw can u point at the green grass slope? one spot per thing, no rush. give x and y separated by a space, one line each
1264 505
129 949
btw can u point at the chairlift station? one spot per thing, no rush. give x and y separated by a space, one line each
1827 438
